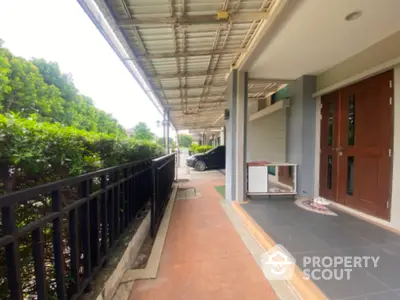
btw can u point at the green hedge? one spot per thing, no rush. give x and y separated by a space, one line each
195 148
33 153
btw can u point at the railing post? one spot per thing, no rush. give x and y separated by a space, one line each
117 205
132 187
126 198
74 248
176 167
38 259
93 205
58 247
85 219
12 253
104 219
177 163
153 198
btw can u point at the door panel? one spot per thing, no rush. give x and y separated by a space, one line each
367 137
360 157
328 158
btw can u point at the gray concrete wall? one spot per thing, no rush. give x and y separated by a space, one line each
266 138
230 141
301 132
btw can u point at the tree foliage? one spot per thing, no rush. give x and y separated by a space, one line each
39 87
142 132
49 131
185 140
161 141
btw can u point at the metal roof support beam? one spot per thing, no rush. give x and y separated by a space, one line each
188 74
191 53
194 20
269 80
197 104
209 96
191 87
195 98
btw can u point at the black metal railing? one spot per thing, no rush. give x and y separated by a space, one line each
54 238
163 177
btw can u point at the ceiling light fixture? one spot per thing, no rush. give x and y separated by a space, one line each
353 16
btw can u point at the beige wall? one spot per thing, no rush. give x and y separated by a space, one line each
386 51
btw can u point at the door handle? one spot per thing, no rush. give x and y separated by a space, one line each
338 150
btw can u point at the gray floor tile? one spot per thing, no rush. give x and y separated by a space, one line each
299 256
373 233
303 232
388 295
295 242
360 283
388 268
392 247
336 237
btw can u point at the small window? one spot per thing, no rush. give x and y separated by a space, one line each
330 123
350 175
352 120
329 173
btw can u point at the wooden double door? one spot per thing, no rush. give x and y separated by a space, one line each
356 145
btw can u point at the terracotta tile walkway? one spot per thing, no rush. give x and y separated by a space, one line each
203 257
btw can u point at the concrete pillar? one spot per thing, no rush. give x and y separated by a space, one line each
235 172
301 133
222 136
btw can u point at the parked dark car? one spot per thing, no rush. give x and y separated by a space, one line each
212 159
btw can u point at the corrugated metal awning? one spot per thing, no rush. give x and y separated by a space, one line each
180 51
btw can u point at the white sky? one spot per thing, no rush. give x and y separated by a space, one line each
60 31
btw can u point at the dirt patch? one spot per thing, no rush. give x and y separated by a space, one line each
144 253
117 253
